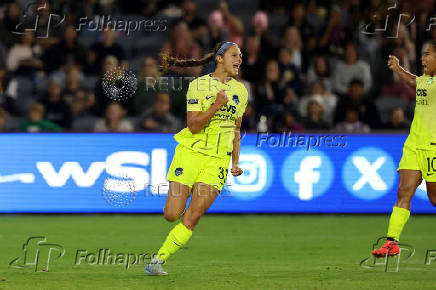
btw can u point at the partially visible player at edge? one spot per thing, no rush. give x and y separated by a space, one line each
419 153
215 105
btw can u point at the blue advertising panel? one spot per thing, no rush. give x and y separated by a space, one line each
283 173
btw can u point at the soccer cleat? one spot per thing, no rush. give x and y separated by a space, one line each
154 268
390 248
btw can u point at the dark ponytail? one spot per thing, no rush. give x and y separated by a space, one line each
167 60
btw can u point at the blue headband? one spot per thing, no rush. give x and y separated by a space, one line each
224 47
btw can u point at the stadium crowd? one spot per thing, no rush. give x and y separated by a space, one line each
308 65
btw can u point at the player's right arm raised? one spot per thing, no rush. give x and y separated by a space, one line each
394 65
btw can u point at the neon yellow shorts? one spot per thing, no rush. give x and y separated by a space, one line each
189 167
422 160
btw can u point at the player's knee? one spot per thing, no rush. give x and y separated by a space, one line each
405 191
171 216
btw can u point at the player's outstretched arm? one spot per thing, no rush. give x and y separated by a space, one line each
198 120
394 65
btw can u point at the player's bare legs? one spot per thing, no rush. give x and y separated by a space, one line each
431 192
409 181
203 196
176 201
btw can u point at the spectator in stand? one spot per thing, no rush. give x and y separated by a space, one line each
81 103
320 71
326 99
114 120
72 83
249 123
183 46
102 98
356 97
232 22
5 100
351 68
290 103
260 28
3 118
9 24
292 41
289 124
43 17
268 94
352 123
158 118
308 29
100 50
22 55
252 61
148 84
217 32
398 121
289 73
65 53
197 25
36 123
57 110
314 120
335 33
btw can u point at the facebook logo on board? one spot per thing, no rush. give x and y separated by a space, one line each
369 173
307 175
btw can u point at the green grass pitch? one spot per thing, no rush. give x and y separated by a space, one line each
225 252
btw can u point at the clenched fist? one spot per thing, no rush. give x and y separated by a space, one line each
394 63
221 98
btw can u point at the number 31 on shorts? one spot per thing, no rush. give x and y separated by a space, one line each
222 175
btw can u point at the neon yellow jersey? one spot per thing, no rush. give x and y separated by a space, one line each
216 139
423 130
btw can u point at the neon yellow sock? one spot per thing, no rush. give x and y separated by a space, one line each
176 239
397 221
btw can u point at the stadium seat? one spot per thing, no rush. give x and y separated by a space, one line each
12 124
84 124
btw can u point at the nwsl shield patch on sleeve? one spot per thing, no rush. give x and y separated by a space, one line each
236 99
193 101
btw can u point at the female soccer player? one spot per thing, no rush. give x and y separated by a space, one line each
215 105
419 152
